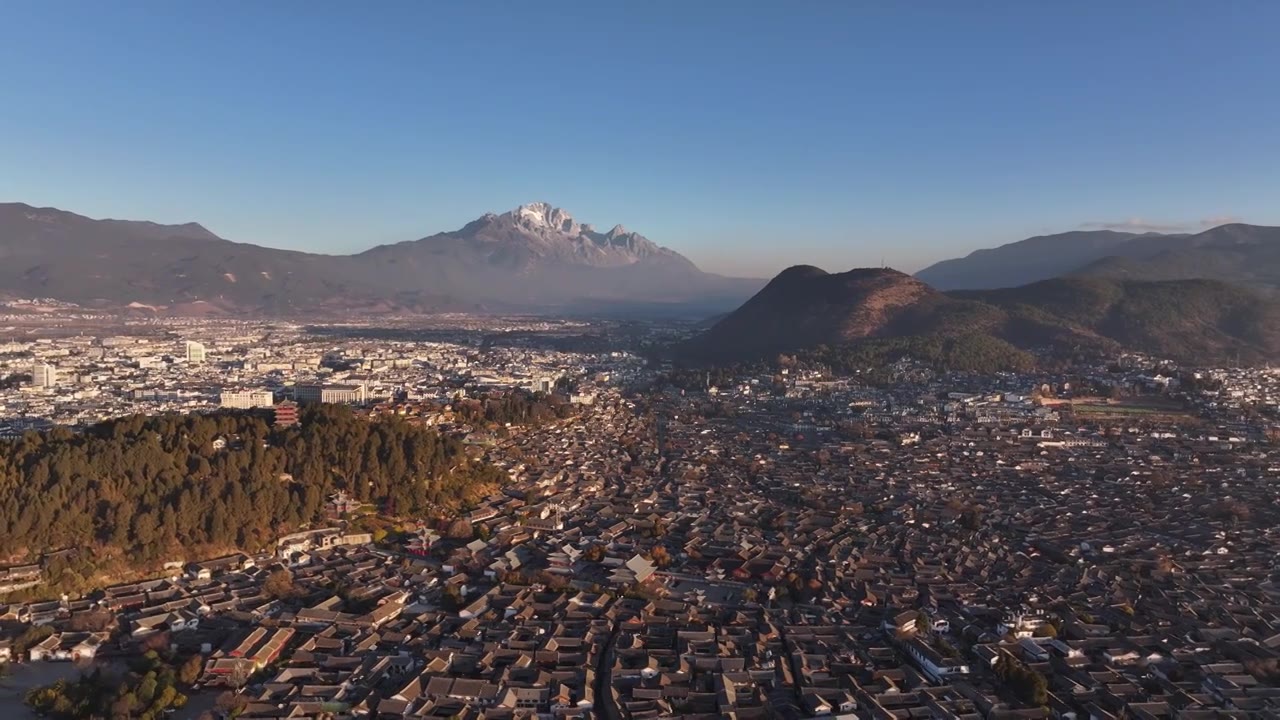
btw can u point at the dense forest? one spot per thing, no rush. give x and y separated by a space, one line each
517 407
973 352
144 489
965 352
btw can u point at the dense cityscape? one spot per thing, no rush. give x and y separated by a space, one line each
772 541
639 360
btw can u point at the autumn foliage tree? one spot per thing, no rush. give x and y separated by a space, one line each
660 556
190 669
279 585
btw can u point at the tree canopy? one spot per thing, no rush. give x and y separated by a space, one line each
157 487
518 407
148 691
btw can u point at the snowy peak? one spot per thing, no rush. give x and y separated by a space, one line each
543 215
541 230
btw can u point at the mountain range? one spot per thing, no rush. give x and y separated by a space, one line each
806 308
1235 253
1158 293
533 258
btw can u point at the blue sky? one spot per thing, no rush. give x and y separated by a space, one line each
749 136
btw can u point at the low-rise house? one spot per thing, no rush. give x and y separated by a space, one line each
67 647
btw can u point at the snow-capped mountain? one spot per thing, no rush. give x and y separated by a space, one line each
538 232
538 254
534 257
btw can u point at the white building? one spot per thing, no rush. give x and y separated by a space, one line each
44 376
247 399
336 394
937 667
195 352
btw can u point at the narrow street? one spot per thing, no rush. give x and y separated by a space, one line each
605 706
785 702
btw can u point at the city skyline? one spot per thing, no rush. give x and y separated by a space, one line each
837 135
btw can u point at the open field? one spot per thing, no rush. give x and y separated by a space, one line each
1143 408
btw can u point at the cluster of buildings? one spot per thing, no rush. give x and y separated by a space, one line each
778 546
186 366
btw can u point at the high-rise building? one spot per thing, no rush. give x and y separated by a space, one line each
195 352
247 399
44 376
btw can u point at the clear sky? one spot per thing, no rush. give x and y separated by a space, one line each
747 135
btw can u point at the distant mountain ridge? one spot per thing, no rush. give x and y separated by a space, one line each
533 257
804 308
1236 253
538 231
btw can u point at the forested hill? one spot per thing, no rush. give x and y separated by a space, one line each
146 489
874 315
